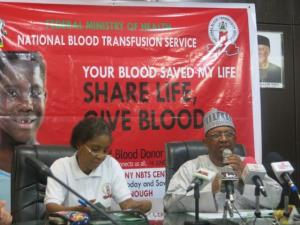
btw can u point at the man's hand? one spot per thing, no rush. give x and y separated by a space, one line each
5 217
216 184
236 163
140 205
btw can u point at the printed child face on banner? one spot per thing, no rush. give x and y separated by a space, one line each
22 95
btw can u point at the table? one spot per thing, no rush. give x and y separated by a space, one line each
179 219
42 222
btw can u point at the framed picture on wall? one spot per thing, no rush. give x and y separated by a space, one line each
271 59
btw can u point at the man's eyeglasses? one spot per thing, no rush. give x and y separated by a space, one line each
95 153
218 135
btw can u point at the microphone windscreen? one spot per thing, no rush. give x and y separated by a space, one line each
226 153
270 158
274 157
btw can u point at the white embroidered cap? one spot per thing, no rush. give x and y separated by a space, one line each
215 118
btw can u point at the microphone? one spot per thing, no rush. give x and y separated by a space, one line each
202 177
228 176
254 173
282 171
226 153
43 169
270 158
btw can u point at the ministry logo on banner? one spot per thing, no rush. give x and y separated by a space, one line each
223 32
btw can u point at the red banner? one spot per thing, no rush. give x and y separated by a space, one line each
151 72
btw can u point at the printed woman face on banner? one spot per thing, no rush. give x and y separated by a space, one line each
22 95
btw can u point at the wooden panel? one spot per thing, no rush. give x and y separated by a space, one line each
278 105
274 12
297 94
296 11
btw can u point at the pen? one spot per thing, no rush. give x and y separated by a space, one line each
82 202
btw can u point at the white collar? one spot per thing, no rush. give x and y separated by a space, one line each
79 174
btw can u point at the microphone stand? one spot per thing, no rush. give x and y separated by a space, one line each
286 193
227 206
43 169
198 182
96 208
257 212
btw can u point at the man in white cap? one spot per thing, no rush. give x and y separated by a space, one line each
220 134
